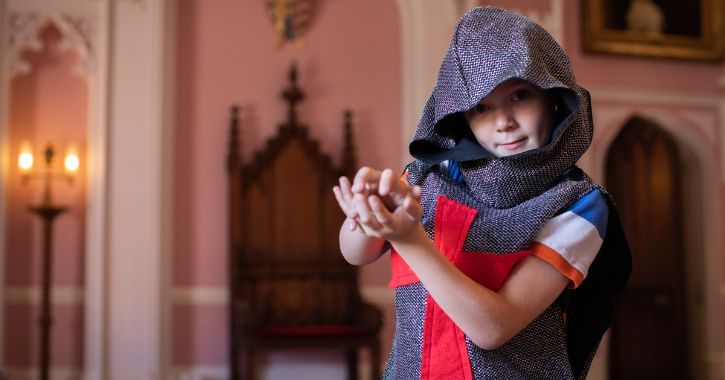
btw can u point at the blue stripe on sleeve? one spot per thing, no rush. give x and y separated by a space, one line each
593 207
454 171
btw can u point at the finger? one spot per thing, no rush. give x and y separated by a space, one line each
365 214
411 206
345 188
358 182
340 200
366 180
381 213
345 206
398 191
351 224
347 196
387 181
417 192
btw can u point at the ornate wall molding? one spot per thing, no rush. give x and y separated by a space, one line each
22 35
77 34
703 113
705 121
674 113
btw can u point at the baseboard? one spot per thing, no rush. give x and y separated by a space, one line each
381 295
200 295
14 373
31 295
200 373
211 295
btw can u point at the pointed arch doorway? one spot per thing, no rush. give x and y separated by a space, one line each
653 334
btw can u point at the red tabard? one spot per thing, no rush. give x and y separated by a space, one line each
444 346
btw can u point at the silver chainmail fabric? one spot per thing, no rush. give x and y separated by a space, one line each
514 196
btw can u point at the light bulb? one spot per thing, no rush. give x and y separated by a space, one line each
71 162
25 159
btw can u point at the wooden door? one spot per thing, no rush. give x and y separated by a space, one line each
649 334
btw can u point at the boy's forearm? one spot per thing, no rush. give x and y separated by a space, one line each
488 318
479 312
359 249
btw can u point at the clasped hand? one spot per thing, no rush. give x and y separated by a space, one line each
379 205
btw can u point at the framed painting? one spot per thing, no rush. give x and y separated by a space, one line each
682 29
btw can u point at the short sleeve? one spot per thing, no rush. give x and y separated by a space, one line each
404 177
571 240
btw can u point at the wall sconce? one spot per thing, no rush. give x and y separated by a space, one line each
26 164
47 211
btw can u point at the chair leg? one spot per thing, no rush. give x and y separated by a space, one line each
375 374
351 358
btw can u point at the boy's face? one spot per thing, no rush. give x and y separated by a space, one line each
515 117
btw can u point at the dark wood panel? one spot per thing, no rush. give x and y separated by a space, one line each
649 333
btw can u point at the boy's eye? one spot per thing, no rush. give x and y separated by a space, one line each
480 108
521 95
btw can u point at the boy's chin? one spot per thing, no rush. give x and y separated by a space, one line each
502 152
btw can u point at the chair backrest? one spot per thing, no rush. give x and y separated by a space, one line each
286 269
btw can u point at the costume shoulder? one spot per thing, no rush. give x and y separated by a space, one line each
589 308
416 171
571 240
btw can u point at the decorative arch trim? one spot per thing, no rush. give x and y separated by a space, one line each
695 136
77 34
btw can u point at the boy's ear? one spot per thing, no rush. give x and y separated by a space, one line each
562 107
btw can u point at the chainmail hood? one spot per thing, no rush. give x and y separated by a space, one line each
483 54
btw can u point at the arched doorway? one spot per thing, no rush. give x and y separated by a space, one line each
652 335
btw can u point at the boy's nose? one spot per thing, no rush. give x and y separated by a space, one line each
504 120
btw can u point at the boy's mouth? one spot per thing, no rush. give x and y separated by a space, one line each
513 144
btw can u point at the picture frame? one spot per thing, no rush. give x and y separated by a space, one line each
679 29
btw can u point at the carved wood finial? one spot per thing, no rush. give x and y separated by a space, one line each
293 95
348 147
235 151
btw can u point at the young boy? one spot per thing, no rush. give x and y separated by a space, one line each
506 258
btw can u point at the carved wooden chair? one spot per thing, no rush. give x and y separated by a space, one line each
289 285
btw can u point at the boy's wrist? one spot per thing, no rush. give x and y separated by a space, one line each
417 237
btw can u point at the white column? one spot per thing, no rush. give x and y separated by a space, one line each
138 175
426 28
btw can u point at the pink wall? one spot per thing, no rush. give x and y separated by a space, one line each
228 53
49 104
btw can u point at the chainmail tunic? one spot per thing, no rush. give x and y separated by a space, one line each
513 196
